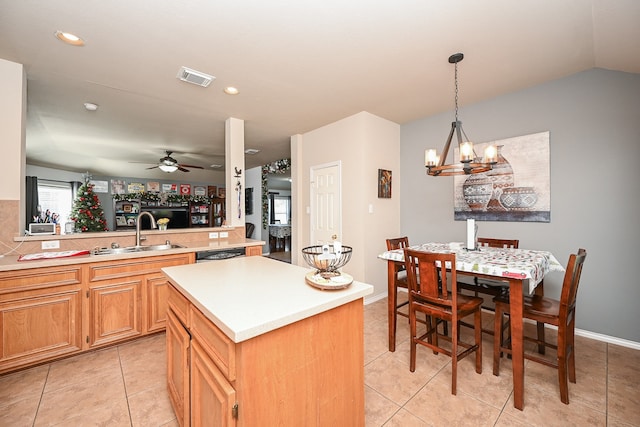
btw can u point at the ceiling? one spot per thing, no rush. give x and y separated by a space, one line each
299 65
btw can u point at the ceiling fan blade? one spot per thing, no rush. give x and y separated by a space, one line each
180 168
191 166
153 167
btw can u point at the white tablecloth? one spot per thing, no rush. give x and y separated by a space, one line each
501 262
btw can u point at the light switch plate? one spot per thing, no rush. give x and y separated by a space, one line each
213 235
224 234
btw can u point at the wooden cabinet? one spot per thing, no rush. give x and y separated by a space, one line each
115 311
47 313
178 368
266 380
129 297
40 315
213 399
157 288
253 251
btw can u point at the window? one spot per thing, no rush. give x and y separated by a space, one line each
281 209
55 197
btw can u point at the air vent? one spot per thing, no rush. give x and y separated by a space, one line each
196 77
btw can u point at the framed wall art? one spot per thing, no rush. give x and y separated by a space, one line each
384 184
516 189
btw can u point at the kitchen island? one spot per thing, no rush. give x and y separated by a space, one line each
250 343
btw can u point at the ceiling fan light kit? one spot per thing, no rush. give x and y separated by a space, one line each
169 164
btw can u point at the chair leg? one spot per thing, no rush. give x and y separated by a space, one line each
454 357
478 332
562 367
497 339
571 349
541 340
412 327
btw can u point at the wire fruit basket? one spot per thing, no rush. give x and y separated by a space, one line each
326 260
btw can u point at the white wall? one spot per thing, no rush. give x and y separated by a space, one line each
594 123
363 143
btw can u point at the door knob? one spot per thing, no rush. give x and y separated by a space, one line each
334 237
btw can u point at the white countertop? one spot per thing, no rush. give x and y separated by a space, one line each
248 296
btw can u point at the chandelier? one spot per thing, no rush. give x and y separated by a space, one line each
469 162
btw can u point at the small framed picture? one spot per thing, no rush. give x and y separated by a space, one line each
221 193
384 184
127 208
121 220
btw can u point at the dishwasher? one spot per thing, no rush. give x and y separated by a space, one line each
216 255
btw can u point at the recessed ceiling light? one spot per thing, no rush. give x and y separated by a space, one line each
90 106
69 38
230 90
216 166
251 151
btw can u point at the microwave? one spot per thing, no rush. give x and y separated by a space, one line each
36 228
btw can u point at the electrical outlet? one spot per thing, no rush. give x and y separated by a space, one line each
213 235
224 234
51 244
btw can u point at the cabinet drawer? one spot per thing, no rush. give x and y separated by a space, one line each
217 345
39 278
179 305
128 267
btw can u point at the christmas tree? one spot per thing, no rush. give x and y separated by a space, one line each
87 212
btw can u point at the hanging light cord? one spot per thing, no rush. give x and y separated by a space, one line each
456 81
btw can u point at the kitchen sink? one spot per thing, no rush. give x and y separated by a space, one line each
132 249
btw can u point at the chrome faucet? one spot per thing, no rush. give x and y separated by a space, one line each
139 222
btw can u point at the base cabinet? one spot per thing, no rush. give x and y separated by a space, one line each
53 312
115 311
266 380
40 315
178 368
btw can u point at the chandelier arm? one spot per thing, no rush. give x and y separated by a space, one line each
447 145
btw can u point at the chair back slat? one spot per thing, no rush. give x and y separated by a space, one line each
397 243
498 243
428 279
571 282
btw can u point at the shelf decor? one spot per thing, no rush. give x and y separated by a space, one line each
162 197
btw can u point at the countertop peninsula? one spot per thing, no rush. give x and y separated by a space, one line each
249 296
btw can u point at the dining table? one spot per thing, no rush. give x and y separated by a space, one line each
280 232
522 269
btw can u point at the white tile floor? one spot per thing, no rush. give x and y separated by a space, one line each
125 386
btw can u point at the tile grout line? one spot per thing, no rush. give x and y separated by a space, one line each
124 383
44 386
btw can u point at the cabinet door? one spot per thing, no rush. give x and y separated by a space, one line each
43 325
115 311
253 251
178 341
157 296
212 397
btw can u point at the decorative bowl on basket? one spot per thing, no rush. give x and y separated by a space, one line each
326 260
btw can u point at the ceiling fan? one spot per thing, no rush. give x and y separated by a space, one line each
169 164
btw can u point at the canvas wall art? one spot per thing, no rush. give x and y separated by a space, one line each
516 189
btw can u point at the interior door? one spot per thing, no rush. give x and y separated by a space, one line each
326 203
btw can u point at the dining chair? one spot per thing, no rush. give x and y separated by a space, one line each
428 294
560 313
492 288
398 275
